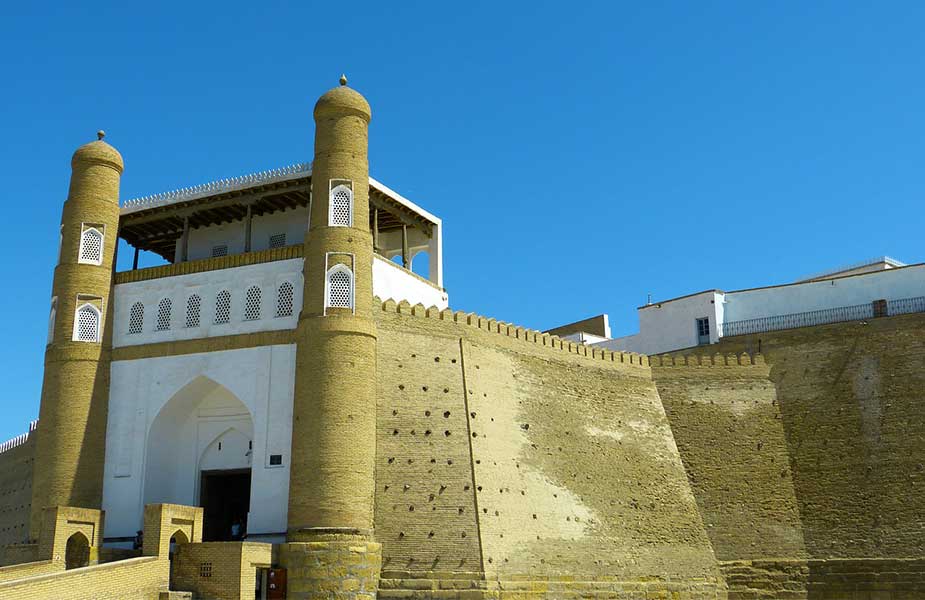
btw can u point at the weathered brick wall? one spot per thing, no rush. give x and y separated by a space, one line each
134 579
29 569
219 570
852 404
332 568
766 579
866 579
565 456
15 493
727 424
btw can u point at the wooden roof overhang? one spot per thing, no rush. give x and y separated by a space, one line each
158 229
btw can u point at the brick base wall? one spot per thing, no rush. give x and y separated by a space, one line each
346 570
836 579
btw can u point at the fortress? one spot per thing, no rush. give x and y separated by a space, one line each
287 409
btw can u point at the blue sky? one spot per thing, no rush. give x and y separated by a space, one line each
582 155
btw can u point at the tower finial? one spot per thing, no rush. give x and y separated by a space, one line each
343 80
100 134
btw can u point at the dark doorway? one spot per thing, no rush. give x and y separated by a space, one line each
77 551
225 497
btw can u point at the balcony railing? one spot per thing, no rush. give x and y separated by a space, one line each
841 314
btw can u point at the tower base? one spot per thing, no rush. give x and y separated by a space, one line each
326 565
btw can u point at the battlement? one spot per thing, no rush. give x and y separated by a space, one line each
510 330
19 440
703 360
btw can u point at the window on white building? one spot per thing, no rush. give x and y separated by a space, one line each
193 310
340 209
164 308
136 318
277 240
703 330
252 303
87 323
339 287
52 315
91 246
285 297
223 307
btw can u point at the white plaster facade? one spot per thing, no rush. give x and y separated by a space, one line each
268 277
389 281
166 416
392 282
671 325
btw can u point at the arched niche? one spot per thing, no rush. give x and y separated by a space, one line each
196 419
77 551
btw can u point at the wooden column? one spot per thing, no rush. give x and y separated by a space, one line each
184 241
375 230
247 229
135 260
405 259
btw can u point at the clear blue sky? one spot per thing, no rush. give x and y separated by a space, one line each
581 155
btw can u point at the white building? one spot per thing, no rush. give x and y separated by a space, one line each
879 287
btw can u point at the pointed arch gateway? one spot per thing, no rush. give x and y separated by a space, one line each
198 452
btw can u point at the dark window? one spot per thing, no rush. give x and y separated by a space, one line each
276 459
703 330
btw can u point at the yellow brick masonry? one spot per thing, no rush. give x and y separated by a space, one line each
232 569
134 579
332 568
141 578
70 449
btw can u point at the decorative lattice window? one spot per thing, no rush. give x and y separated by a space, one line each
164 308
252 303
220 250
136 318
341 207
87 324
52 315
277 240
205 569
223 307
284 299
339 287
193 310
91 246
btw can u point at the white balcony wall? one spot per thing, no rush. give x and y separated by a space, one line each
291 222
207 285
392 282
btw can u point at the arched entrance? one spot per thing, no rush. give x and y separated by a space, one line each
77 551
199 452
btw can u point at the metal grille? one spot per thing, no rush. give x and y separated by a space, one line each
221 250
164 308
91 246
339 290
136 318
205 569
193 310
858 312
341 206
277 240
88 324
223 307
284 300
252 304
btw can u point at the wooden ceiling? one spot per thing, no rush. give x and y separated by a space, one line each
159 228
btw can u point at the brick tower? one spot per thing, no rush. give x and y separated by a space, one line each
70 439
331 486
